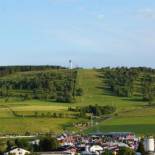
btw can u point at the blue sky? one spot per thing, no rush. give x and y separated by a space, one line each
92 33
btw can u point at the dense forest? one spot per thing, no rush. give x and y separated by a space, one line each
39 82
128 82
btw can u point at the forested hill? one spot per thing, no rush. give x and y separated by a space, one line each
129 82
60 84
53 83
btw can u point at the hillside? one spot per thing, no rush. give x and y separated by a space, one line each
92 84
132 115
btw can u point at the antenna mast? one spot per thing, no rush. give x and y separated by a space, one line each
70 64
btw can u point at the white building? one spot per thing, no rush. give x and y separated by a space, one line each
17 151
149 144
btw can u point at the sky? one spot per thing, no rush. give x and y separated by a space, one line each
92 33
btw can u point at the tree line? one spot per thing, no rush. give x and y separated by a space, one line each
46 143
95 110
6 70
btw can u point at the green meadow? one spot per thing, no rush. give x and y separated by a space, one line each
132 113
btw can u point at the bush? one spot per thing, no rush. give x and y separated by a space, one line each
22 143
79 92
141 148
126 151
107 152
48 144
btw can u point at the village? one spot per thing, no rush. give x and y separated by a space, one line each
97 143
77 77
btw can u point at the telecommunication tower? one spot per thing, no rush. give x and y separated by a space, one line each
70 64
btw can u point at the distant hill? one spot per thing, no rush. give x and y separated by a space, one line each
60 84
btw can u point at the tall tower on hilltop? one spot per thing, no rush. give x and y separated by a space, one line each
70 64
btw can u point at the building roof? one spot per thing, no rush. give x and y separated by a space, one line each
111 133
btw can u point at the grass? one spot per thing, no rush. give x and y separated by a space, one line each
32 125
93 94
143 125
132 114
11 124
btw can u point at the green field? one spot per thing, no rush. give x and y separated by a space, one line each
132 114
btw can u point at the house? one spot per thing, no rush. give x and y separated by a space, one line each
17 151
96 149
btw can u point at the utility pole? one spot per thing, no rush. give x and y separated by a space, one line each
92 123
